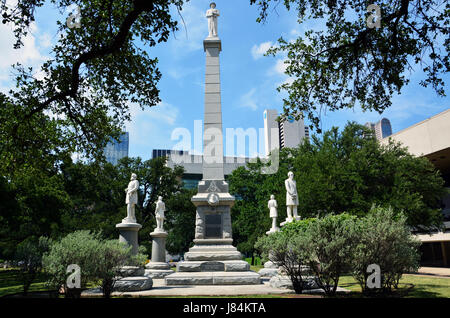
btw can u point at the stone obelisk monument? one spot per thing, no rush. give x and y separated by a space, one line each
213 260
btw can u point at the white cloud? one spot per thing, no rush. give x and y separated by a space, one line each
249 100
258 51
27 54
280 67
45 40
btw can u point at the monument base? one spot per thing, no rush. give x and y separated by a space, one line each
214 278
270 269
213 262
157 270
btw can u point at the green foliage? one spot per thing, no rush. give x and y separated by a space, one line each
384 239
331 243
180 222
95 72
335 244
348 63
83 196
29 259
112 256
99 260
288 251
32 203
344 171
80 248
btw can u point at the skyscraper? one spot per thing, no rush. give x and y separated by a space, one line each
117 149
289 133
382 128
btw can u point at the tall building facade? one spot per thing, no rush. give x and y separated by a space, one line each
117 149
382 128
289 133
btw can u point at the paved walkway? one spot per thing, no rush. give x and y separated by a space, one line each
435 271
160 289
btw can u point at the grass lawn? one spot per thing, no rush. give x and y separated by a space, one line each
411 286
10 283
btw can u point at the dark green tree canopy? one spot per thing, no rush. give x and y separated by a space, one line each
343 171
94 72
351 62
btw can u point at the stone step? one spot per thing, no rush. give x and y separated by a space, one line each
212 248
206 266
213 278
213 242
157 273
213 256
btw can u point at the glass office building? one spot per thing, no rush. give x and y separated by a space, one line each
382 129
117 149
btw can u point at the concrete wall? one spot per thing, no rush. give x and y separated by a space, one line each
426 137
193 163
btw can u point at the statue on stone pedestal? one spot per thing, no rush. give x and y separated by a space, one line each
272 205
159 213
291 197
212 15
131 199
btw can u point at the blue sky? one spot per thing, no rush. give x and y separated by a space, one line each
248 79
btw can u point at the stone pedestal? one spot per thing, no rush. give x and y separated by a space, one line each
128 233
213 262
270 269
158 267
134 279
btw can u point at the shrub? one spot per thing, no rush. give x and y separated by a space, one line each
113 255
80 248
287 249
384 239
330 241
29 259
99 260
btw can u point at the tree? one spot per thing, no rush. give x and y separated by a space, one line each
29 258
98 196
344 171
180 221
96 70
33 203
352 62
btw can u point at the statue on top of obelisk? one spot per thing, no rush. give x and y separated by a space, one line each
212 15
